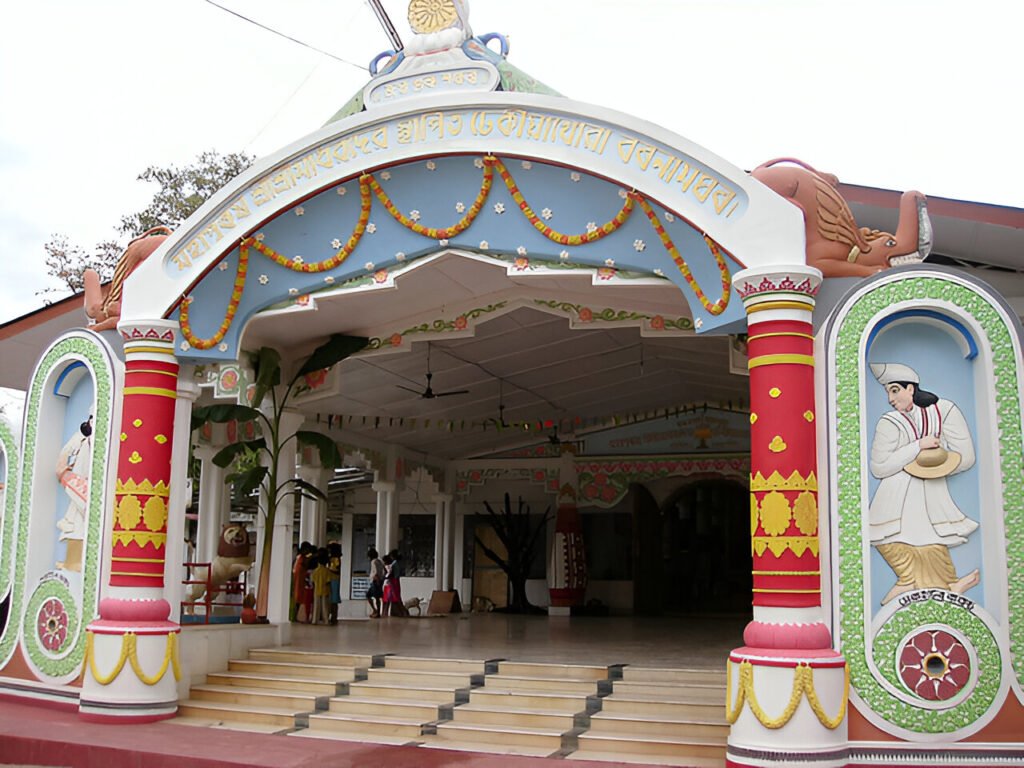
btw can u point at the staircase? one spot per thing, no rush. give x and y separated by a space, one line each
525 709
398 702
273 690
664 716
621 714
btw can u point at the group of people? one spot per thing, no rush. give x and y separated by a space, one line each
385 591
316 584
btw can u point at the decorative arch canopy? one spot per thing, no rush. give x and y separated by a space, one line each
566 183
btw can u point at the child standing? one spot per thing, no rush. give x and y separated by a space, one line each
321 579
334 566
375 591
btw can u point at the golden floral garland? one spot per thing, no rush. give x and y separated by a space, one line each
803 682
589 237
715 308
129 653
458 227
369 186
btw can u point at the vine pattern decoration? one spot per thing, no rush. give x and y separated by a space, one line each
130 654
803 685
873 660
369 187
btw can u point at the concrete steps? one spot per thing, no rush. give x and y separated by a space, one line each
280 718
526 706
658 715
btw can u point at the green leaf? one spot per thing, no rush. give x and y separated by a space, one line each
227 455
330 456
268 373
308 489
335 349
248 481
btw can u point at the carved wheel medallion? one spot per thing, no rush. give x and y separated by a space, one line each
934 665
427 16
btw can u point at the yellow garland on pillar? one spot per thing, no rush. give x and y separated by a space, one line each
129 653
803 682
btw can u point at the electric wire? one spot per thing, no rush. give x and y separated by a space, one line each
286 37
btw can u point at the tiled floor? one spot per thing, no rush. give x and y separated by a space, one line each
698 641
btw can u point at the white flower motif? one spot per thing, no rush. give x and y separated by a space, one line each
521 250
371 227
698 323
399 256
335 243
478 162
460 207
658 272
414 215
546 214
300 211
431 165
574 176
639 245
386 175
591 227
527 165
299 260
564 255
329 280
185 346
342 191
259 237
369 266
623 194
484 245
293 291
442 242
223 347
223 266
264 279
609 262
669 217
499 208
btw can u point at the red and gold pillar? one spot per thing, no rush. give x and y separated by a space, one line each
787 685
131 664
567 572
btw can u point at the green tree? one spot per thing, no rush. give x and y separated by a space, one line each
250 475
180 191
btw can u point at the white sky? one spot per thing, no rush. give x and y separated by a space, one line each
895 93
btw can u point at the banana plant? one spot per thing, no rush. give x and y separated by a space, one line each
263 474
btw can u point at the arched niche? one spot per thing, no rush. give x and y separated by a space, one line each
963 343
66 482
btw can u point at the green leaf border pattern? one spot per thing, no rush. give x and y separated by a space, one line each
67 660
11 462
851 501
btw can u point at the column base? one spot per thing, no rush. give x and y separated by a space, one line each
787 707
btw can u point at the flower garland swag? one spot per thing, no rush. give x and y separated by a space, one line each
369 187
129 653
803 682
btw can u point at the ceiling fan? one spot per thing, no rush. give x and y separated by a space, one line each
429 393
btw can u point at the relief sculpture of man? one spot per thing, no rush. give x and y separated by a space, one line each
914 520
73 474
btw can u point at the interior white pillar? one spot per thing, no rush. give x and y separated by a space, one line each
308 508
211 503
350 560
323 483
449 545
441 502
174 570
384 491
284 525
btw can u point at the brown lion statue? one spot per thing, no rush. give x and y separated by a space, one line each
835 244
232 560
103 305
